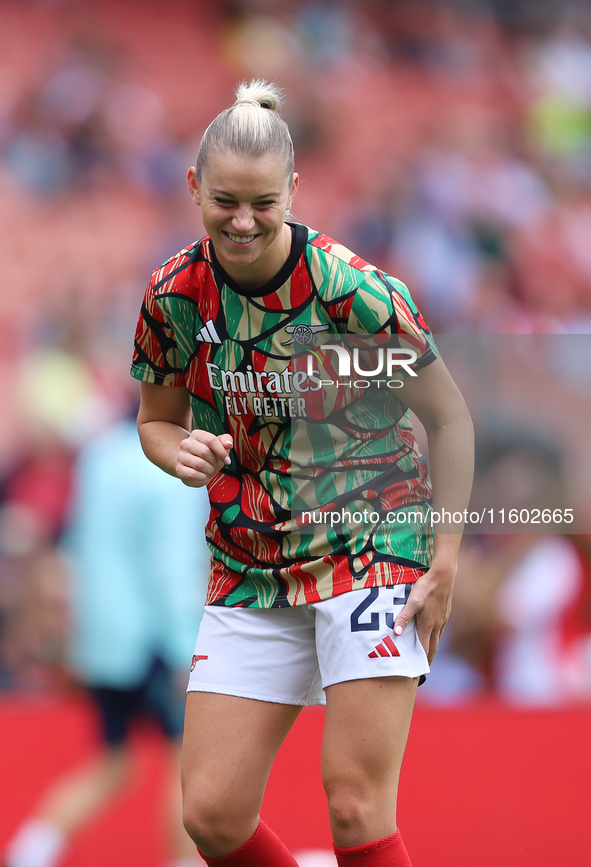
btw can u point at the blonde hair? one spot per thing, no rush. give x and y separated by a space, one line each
251 127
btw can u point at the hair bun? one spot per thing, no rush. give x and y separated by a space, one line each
259 92
246 100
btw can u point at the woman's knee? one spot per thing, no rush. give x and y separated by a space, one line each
359 807
217 825
348 809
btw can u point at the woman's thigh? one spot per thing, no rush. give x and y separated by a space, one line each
229 744
365 734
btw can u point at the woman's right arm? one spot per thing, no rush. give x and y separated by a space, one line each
164 425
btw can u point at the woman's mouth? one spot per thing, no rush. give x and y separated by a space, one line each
240 239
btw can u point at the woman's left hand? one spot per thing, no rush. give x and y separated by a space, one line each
430 601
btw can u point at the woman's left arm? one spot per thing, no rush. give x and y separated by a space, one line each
436 400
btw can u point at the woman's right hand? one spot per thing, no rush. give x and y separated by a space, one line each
202 455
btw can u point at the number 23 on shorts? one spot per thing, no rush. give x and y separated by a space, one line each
374 594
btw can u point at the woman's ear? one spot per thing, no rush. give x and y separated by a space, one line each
194 187
294 187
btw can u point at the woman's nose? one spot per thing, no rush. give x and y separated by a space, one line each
243 219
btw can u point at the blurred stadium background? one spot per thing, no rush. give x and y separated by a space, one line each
448 142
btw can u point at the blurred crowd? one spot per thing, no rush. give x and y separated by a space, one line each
447 142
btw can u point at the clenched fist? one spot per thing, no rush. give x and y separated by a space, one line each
202 455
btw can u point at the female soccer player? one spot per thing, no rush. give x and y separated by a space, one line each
325 584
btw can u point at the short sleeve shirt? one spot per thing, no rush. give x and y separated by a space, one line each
309 441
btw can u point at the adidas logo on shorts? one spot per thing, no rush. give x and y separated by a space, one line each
386 647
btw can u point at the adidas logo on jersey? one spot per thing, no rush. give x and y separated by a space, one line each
386 647
208 334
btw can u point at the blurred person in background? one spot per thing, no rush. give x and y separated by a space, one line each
62 403
542 653
136 605
521 622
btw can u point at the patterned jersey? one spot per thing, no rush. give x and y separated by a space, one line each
324 465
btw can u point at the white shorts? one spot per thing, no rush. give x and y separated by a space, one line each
290 655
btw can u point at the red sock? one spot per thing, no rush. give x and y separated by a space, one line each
263 849
389 852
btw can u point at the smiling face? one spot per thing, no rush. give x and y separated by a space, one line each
243 202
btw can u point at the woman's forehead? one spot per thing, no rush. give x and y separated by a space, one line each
227 171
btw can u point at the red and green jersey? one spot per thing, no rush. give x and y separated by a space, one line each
310 443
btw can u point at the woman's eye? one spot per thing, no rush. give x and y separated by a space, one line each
264 204
225 202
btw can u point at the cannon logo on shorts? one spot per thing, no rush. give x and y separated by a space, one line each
195 660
